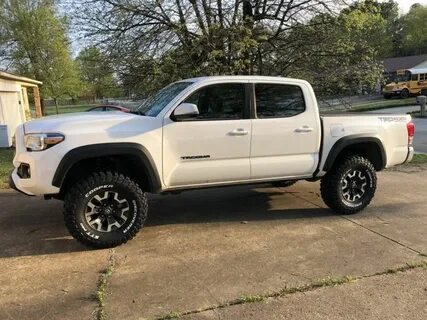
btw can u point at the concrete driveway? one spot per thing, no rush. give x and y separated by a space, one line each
233 253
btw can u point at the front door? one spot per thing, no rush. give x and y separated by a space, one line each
214 146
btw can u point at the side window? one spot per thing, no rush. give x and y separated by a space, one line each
224 101
423 77
414 77
278 100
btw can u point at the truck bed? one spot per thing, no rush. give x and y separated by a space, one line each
389 129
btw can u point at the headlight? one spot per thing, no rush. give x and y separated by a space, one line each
42 141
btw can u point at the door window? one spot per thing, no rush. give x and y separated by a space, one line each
278 100
226 101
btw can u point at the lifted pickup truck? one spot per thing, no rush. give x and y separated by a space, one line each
198 133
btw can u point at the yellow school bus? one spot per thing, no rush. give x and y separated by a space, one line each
406 83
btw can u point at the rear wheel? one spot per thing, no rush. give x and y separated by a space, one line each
105 210
405 94
350 186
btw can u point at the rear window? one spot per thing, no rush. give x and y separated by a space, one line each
278 100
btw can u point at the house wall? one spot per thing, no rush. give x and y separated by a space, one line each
12 112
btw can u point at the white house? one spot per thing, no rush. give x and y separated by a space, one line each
14 104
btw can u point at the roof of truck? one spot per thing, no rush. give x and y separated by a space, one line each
242 78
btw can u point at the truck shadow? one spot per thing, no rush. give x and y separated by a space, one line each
32 226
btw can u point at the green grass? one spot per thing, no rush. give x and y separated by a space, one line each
51 110
101 291
419 159
383 104
6 166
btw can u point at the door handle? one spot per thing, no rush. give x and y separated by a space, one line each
304 129
239 132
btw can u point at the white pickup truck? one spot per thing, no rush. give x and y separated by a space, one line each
198 133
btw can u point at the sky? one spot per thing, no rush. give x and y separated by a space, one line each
405 5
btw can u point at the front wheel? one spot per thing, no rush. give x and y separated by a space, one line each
105 209
350 186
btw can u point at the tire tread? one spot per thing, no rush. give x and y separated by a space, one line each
330 183
77 191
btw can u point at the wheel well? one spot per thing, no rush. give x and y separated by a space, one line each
129 165
369 150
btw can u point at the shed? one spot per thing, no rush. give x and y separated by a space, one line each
14 104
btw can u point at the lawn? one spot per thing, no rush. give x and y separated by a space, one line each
383 104
6 156
419 159
51 110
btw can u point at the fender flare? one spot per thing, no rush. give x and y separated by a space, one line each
347 141
108 149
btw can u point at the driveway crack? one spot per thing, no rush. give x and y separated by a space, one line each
323 283
364 227
381 235
102 287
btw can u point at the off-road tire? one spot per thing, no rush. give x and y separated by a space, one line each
332 184
284 184
100 184
405 94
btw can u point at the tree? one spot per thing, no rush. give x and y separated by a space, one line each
35 44
192 37
344 52
96 73
155 42
415 30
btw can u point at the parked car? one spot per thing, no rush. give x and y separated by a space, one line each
199 133
108 107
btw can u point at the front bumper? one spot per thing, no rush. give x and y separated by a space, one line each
392 93
14 187
41 168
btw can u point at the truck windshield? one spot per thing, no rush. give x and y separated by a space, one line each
153 105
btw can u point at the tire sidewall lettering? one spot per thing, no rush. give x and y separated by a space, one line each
135 210
92 191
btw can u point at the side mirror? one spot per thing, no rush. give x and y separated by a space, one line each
184 111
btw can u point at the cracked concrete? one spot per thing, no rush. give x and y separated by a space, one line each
396 296
195 251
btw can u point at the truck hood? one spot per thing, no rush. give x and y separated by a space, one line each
77 121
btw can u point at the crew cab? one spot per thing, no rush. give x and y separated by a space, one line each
198 133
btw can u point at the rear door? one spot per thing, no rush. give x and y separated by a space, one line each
285 132
213 147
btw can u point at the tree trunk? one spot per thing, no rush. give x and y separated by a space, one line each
248 22
38 103
56 105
